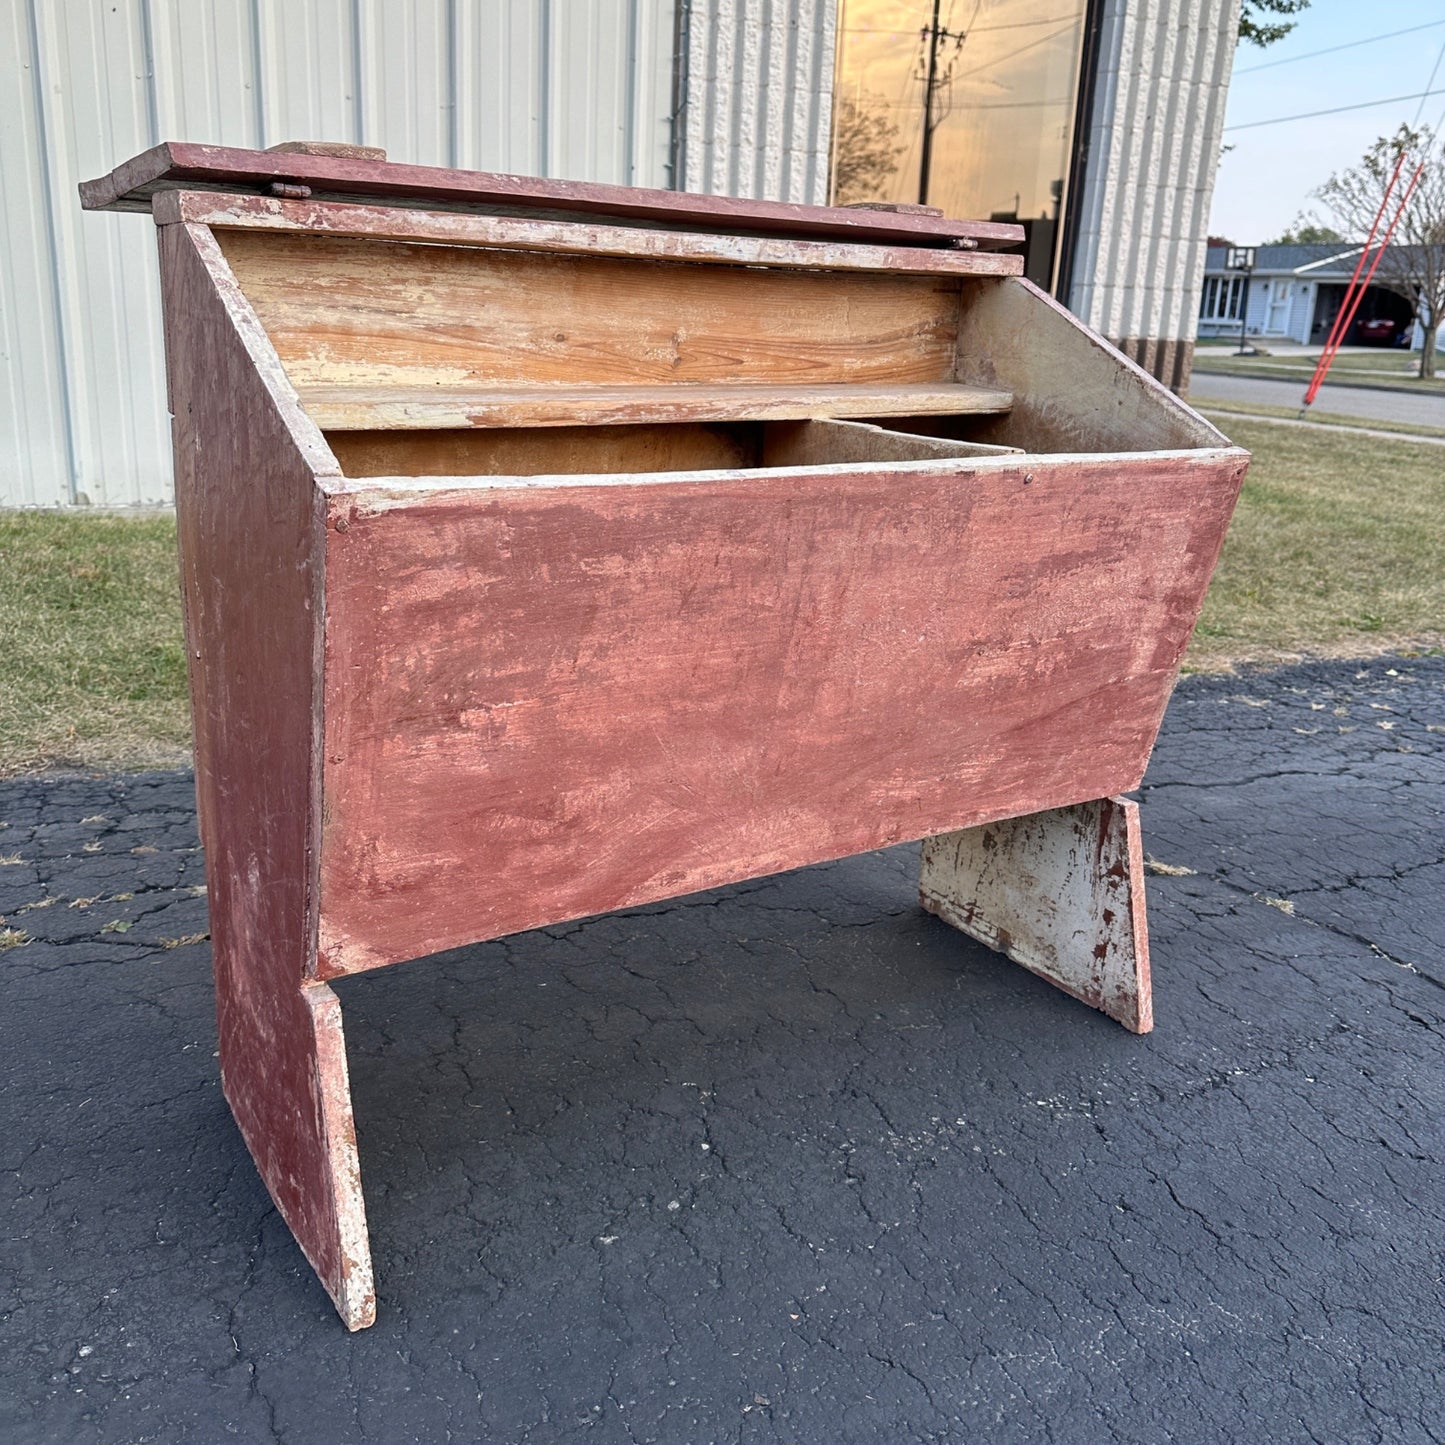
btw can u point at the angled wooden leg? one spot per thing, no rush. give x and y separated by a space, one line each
1061 892
252 544
283 1069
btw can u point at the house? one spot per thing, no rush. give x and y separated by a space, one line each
1294 293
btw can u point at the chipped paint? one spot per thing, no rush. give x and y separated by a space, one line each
1061 892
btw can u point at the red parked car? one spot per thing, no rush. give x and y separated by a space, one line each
1378 332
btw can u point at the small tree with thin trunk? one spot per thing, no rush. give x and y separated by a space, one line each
1413 265
865 148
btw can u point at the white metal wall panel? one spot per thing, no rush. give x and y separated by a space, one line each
576 88
308 66
203 58
406 82
1153 149
92 60
34 452
502 130
758 97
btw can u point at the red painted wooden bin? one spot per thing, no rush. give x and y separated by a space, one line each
551 548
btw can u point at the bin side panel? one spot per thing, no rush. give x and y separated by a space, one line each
548 702
1073 391
250 522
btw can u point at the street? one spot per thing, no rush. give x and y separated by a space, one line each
1359 401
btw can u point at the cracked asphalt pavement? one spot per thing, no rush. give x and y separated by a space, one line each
789 1161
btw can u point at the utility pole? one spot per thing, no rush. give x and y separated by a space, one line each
933 33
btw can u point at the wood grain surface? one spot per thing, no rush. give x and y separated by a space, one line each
423 408
533 233
534 451
553 701
530 452
345 312
1073 391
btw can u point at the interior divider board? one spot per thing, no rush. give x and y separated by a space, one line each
366 313
355 408
533 233
531 451
633 450
821 443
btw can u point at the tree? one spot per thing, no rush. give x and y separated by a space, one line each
1305 232
1258 29
1413 265
865 148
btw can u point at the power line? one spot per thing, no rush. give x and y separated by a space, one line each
1017 104
1012 54
1330 50
907 31
1334 110
1434 71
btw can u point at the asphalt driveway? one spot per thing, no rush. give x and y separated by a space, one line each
790 1161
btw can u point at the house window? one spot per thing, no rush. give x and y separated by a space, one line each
1222 298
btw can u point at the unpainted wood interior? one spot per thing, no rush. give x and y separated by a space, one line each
600 450
1071 393
360 313
653 366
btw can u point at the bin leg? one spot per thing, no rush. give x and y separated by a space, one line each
283 1069
1061 892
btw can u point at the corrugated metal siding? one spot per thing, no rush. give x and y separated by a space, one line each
1153 149
575 88
758 97
34 462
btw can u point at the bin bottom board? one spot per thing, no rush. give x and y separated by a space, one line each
547 702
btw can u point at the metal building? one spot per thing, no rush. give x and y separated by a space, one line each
715 95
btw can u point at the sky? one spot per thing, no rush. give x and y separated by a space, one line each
1266 180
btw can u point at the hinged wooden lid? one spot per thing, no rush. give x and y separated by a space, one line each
176 164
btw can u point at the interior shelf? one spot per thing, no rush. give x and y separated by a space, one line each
350 408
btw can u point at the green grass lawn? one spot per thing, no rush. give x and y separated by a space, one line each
1370 369
1210 407
1337 548
95 670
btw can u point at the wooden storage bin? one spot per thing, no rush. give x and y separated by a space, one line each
550 549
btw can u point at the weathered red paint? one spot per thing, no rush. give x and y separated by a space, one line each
548 702
434 709
593 238
177 164
250 524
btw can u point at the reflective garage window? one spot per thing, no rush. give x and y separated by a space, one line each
995 143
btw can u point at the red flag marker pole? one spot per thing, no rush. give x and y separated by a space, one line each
1327 357
1342 319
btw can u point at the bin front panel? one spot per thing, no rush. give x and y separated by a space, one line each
548 701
